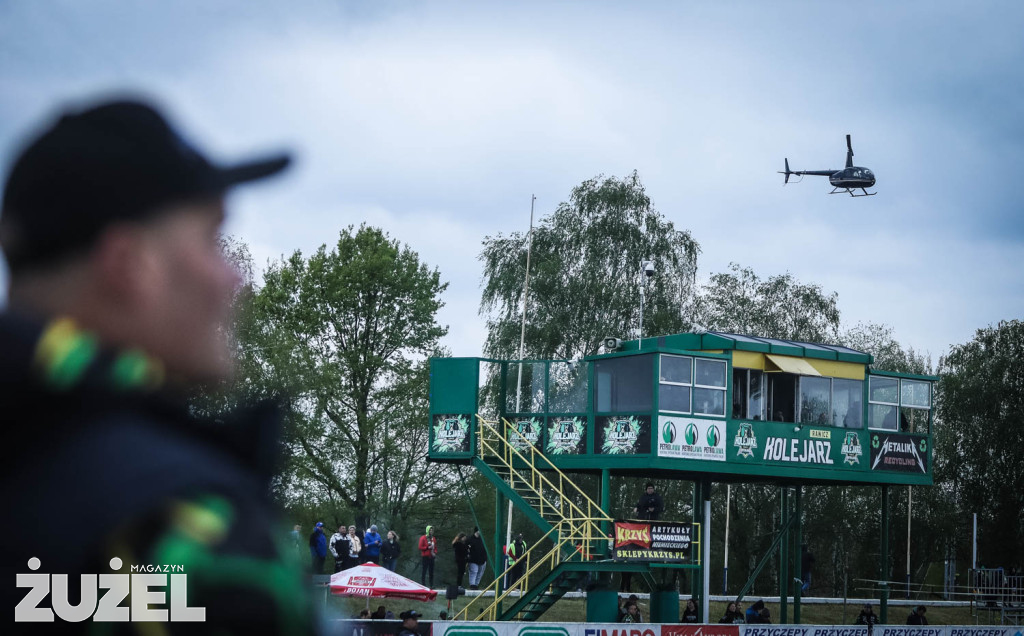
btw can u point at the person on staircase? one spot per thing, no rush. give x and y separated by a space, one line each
517 559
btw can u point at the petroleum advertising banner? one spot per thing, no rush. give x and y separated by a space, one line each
903 453
566 435
691 438
652 541
450 433
623 435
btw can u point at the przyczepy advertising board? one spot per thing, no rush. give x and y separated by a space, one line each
691 438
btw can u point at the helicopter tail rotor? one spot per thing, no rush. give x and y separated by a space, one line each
787 172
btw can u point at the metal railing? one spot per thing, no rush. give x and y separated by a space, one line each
575 534
555 493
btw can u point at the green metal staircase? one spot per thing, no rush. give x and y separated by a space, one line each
572 522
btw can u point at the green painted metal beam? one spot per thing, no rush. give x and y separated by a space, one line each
787 520
763 562
507 491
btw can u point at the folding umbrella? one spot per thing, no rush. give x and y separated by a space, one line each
370 580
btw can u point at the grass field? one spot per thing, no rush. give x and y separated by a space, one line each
574 610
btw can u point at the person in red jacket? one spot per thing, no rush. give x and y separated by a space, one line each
428 552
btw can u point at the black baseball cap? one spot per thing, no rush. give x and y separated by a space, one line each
112 162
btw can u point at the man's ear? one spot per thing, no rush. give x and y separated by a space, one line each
123 266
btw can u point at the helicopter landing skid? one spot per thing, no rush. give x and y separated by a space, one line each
850 192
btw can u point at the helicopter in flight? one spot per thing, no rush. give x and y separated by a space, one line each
848 179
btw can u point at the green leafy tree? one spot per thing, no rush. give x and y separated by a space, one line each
585 274
345 334
980 436
889 355
740 301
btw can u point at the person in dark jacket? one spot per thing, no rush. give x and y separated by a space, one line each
867 616
410 623
461 550
732 614
917 616
119 299
477 559
690 614
318 548
650 506
339 547
753 614
391 550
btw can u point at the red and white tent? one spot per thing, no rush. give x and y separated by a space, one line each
370 580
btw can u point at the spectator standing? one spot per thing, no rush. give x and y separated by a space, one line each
477 559
318 547
765 616
650 505
461 550
380 614
917 616
355 547
372 543
517 558
806 564
690 614
428 552
296 536
391 550
339 547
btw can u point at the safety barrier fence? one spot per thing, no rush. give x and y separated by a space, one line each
654 629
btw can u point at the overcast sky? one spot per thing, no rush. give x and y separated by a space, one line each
437 121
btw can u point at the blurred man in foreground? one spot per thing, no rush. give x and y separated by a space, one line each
118 301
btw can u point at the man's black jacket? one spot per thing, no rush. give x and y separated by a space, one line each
100 461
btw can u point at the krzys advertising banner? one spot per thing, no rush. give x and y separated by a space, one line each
652 541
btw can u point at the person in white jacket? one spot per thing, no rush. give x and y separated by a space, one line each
339 547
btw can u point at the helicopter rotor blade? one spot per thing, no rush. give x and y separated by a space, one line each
849 153
787 172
